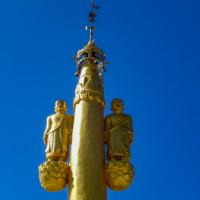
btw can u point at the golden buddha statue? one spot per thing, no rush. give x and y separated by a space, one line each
53 173
118 132
58 133
118 137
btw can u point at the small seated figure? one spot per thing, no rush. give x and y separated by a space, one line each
118 133
58 133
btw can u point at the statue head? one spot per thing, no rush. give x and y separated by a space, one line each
60 106
117 105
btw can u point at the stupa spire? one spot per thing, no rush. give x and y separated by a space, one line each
91 54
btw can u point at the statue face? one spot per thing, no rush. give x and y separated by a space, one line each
117 106
60 106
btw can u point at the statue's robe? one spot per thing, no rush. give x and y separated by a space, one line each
118 131
59 128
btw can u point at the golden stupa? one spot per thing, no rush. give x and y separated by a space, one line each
99 146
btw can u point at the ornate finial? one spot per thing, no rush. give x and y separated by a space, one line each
91 53
92 16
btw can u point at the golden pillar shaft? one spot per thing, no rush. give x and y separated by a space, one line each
87 154
87 181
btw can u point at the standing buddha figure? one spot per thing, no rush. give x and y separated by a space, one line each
118 132
118 138
58 132
54 172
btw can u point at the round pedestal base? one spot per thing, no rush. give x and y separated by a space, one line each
119 174
53 175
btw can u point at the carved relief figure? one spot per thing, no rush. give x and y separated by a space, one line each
118 132
58 132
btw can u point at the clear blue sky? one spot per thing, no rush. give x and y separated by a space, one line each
153 50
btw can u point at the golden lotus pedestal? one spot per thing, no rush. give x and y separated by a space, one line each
119 174
53 175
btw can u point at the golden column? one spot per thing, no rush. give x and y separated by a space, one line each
88 173
87 180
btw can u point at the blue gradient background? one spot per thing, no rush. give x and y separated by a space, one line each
153 50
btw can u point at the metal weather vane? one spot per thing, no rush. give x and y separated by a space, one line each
86 171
